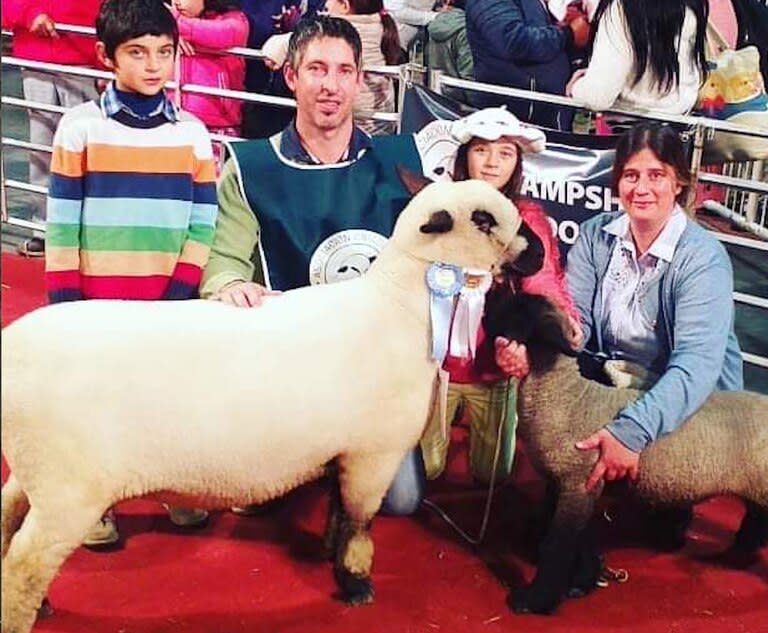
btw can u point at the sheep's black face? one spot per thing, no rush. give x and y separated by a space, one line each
484 221
529 319
531 260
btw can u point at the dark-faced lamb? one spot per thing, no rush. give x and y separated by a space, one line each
721 449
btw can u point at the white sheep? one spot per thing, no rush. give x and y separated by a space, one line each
200 404
721 449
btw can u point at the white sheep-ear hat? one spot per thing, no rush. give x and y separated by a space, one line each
493 123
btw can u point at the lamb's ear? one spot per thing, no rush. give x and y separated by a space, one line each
439 222
530 260
412 181
530 319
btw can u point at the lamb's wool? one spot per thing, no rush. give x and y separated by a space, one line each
721 449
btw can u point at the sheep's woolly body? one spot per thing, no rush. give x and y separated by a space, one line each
559 408
262 399
203 404
722 448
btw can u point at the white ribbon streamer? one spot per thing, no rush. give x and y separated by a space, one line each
469 313
444 282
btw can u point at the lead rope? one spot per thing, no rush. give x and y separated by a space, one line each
476 540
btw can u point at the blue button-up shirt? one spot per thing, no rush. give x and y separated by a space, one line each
112 105
292 149
631 289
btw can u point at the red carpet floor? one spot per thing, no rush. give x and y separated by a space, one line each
265 574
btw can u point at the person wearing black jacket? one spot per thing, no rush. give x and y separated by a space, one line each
517 43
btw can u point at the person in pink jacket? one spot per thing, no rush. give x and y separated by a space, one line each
493 143
206 28
36 37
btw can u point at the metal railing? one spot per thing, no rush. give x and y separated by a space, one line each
701 126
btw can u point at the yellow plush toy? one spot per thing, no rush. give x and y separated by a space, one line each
734 91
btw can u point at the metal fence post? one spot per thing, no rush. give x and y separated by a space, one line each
698 150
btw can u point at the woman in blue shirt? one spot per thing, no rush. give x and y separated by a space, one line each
654 288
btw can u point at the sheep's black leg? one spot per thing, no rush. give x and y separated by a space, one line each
665 527
353 562
587 566
335 514
559 554
364 479
753 533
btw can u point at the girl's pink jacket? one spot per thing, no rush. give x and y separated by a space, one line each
214 32
549 281
79 50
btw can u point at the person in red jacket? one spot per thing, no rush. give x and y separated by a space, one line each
36 37
493 143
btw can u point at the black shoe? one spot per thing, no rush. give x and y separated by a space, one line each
33 247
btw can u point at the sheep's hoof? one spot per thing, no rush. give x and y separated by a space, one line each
355 590
735 558
588 573
527 600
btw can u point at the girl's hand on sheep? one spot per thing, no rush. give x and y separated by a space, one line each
244 294
616 461
511 357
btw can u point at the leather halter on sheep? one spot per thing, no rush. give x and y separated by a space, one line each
201 404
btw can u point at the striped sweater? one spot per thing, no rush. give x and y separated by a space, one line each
131 206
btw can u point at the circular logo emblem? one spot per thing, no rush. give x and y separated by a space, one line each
344 255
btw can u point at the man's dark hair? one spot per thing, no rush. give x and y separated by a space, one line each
317 27
123 20
665 144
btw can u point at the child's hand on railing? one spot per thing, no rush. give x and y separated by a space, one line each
43 26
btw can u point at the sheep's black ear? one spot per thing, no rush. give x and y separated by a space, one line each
439 222
531 260
484 221
412 181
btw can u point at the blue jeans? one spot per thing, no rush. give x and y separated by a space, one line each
407 489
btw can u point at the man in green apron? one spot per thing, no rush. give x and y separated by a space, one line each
314 202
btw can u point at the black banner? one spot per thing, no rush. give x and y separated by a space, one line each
571 179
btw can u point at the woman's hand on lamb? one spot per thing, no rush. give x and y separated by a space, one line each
244 294
575 335
511 357
616 461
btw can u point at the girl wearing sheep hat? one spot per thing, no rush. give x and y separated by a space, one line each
492 145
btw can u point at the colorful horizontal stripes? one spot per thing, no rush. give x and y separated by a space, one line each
131 212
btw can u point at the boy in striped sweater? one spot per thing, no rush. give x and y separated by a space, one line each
132 192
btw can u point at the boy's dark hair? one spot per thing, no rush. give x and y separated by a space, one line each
317 27
123 20
666 145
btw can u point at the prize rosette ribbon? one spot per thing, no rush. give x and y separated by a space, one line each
444 282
